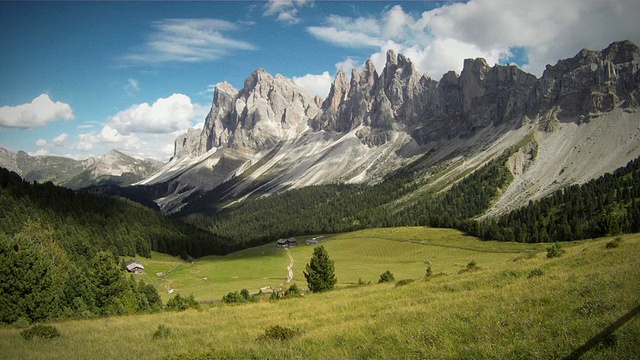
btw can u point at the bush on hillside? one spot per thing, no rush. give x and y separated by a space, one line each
614 243
386 276
40 331
404 282
279 333
554 250
161 333
535 273
428 273
181 303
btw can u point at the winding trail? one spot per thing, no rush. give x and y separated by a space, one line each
290 267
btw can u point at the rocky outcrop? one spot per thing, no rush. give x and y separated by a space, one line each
188 144
380 119
590 83
401 98
258 116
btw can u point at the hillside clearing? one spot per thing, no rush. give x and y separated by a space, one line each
498 310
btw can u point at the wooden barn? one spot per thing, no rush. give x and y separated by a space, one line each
134 266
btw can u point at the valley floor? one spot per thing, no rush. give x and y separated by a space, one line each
516 303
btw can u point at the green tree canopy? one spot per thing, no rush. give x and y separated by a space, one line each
320 271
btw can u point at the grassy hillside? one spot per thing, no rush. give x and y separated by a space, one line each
358 255
517 303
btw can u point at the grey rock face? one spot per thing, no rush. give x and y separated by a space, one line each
258 116
591 82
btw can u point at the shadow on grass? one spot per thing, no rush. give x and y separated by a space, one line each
603 335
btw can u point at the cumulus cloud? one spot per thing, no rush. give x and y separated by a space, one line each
188 40
41 142
39 112
60 139
439 40
163 116
145 130
315 84
286 11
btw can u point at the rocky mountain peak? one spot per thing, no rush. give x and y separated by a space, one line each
622 52
590 83
471 80
337 93
392 58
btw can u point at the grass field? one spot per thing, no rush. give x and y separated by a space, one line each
358 255
498 310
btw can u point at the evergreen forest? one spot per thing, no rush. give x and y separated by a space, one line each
60 251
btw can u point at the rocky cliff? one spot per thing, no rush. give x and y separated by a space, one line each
272 135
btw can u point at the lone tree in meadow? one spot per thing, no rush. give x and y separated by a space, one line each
319 271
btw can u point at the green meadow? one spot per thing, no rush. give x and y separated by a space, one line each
361 255
516 303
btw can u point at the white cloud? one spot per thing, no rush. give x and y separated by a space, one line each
145 130
41 143
439 40
347 65
286 11
132 87
40 152
39 112
315 84
60 139
188 40
163 116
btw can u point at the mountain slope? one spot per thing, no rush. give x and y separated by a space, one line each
273 136
112 168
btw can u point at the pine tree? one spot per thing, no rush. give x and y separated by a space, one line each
320 271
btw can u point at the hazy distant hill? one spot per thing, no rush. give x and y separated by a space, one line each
113 168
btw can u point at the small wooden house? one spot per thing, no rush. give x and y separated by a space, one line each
287 243
134 266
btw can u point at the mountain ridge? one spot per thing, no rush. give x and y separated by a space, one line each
378 122
114 168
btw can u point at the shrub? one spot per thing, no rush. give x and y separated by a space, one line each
279 333
161 333
535 273
180 303
362 282
293 291
275 295
40 331
404 282
386 276
245 294
471 265
233 297
554 250
429 272
614 243
239 297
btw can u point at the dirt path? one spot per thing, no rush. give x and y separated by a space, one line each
290 267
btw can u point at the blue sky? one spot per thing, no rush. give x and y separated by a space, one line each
81 78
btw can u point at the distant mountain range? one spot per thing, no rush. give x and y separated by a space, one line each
114 168
576 122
